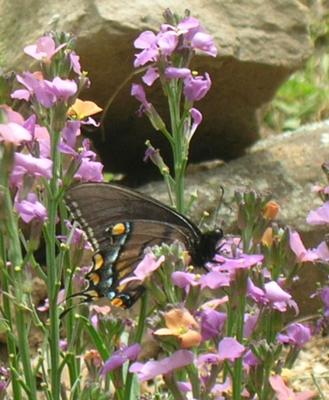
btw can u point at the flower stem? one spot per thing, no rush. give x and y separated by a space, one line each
52 275
137 339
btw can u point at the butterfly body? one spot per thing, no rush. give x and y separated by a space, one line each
121 223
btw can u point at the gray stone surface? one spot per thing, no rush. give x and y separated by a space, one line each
260 44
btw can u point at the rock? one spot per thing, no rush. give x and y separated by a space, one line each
287 166
260 44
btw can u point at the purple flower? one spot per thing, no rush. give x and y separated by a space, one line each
212 322
31 208
215 280
63 345
89 171
243 261
283 392
151 369
185 279
272 295
298 248
138 92
44 49
147 42
47 93
189 26
197 119
319 216
323 251
78 237
177 73
63 88
278 298
27 164
70 132
119 357
9 115
256 293
75 62
250 360
324 294
250 324
230 349
145 268
296 334
167 42
150 76
204 42
195 88
14 133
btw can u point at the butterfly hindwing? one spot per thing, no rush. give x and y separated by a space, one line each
120 224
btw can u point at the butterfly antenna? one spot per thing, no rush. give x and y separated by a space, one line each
215 217
87 299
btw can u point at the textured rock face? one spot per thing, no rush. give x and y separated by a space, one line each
260 44
287 166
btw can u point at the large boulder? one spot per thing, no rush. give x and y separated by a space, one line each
260 44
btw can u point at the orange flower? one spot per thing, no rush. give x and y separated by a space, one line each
182 325
271 210
93 357
82 109
267 238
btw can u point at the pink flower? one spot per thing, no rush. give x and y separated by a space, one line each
278 298
283 392
147 42
197 119
323 251
14 133
27 164
31 208
298 248
89 171
228 349
185 279
150 76
214 280
138 92
319 216
119 357
177 73
296 334
75 62
44 49
195 88
47 93
151 369
212 323
204 42
145 268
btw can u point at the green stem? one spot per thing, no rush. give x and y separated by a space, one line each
52 275
21 324
137 339
11 345
238 367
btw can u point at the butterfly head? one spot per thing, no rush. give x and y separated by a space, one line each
208 246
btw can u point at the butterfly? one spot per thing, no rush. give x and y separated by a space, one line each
121 223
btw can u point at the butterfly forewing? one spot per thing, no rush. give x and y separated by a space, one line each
121 223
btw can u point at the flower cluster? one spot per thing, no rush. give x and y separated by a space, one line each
225 327
166 56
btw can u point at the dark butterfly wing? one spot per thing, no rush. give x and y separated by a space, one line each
102 203
119 257
121 223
